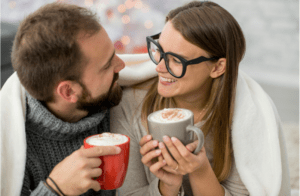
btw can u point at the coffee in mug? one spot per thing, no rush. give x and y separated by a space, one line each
175 122
114 167
107 139
171 115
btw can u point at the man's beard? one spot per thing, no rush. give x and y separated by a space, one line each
103 102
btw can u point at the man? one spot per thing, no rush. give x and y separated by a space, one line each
67 64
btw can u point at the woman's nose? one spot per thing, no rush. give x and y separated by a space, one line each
161 66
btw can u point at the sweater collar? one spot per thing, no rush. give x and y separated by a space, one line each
51 126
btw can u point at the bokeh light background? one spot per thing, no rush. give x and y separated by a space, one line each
270 26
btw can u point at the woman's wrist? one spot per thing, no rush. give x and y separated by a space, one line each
204 181
168 190
201 170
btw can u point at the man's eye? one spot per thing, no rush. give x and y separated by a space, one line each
108 66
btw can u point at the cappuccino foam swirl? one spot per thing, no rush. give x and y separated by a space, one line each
107 139
170 115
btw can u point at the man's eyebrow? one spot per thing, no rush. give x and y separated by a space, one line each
110 59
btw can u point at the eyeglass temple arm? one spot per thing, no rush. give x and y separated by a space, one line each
202 58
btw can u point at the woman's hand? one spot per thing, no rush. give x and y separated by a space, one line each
185 161
153 159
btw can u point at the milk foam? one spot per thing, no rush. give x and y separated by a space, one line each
169 115
107 139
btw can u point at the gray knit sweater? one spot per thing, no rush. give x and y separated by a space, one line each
50 140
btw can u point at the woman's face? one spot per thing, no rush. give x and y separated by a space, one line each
197 81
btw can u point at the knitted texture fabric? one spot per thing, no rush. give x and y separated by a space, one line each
50 140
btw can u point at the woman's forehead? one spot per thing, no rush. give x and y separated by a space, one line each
172 40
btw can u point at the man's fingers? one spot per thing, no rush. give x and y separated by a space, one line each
96 172
94 162
95 185
101 151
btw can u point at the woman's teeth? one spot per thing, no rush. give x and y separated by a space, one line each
168 80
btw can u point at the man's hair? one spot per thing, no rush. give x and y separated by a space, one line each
45 49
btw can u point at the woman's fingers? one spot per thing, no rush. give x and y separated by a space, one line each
145 139
170 169
185 154
148 146
156 168
166 155
174 151
192 146
147 158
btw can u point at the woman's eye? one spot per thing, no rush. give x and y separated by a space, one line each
176 60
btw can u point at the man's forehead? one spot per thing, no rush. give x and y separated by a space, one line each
97 48
96 44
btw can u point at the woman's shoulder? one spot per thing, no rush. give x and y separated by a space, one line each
131 103
126 117
133 97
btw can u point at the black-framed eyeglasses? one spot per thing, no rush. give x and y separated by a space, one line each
176 65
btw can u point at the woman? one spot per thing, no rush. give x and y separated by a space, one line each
197 56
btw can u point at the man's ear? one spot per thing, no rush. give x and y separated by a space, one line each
67 91
218 68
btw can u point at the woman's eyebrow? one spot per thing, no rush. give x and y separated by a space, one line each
183 56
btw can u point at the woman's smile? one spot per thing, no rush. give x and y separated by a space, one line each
166 81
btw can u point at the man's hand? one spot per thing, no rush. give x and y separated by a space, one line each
74 174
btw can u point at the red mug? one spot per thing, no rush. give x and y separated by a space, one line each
114 167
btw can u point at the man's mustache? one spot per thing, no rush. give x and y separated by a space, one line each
116 77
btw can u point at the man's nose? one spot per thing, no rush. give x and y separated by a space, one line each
119 64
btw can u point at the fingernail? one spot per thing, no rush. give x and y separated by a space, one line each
154 143
164 161
166 138
174 139
161 145
158 151
118 149
148 137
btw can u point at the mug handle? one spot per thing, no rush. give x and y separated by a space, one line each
200 136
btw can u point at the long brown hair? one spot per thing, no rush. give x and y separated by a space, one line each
45 49
210 27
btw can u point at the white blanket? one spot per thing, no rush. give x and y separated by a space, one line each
257 137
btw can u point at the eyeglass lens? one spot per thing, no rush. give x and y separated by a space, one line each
174 64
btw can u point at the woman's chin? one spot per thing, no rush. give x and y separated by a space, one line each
165 93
